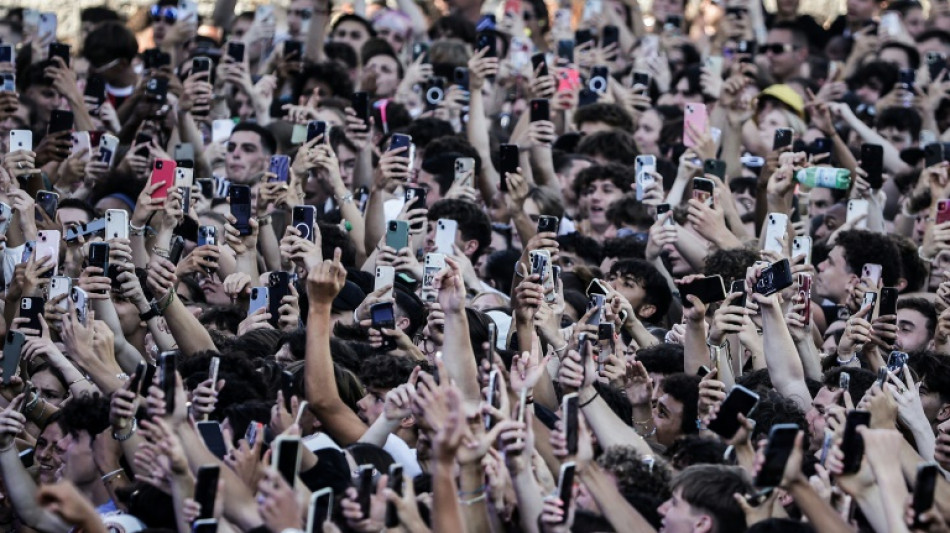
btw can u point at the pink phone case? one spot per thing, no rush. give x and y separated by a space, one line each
695 116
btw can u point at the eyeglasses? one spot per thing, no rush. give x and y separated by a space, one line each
302 13
777 48
168 13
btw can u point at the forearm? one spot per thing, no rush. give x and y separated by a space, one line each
523 225
105 375
786 372
621 515
21 489
187 331
357 227
530 504
545 175
247 263
811 359
609 428
821 515
363 172
182 487
692 249
459 357
474 492
446 512
379 431
269 246
125 354
695 350
375 223
477 132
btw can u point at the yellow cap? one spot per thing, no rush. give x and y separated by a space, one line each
785 94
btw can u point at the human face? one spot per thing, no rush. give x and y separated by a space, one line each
900 139
352 33
895 56
45 99
78 463
816 417
299 16
245 158
680 517
834 277
784 64
394 29
819 201
647 135
566 179
371 405
771 121
49 388
679 95
600 194
912 332
667 418
239 27
869 92
861 10
71 216
427 181
49 451
630 288
347 160
834 217
387 74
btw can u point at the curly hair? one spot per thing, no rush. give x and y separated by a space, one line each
691 450
585 247
684 388
731 264
89 413
861 247
620 175
662 358
473 223
645 485
611 114
774 409
386 371
616 146
656 290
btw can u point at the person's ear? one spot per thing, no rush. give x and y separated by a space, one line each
645 311
704 524
470 247
943 413
408 422
403 323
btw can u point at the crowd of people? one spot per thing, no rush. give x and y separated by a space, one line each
466 266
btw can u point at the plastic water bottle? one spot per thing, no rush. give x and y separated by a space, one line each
826 177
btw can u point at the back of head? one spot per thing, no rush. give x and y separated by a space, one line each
709 489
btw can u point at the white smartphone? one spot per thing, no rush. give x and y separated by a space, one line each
187 10
714 65
872 271
107 147
60 285
7 213
20 140
81 302
644 164
259 298
385 275
213 369
857 208
445 236
184 177
117 224
81 142
432 264
321 508
221 130
802 245
47 245
463 171
46 28
890 24
776 230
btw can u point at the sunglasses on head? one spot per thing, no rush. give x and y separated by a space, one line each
168 13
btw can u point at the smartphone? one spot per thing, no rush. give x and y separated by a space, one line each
464 168
695 115
462 77
48 201
597 286
60 50
156 89
207 235
539 64
775 278
446 229
434 91
872 161
60 285
804 291
548 224
738 286
782 138
99 256
644 167
236 51
280 167
397 234
895 363
365 489
716 167
802 246
286 459
20 140
360 103
779 448
708 289
240 197
565 488
417 192
703 190
278 285
419 49
487 40
163 171
857 208
203 64
943 211
168 363
206 485
12 349
872 272
384 317
888 305
221 130
259 299
776 232
213 438
303 219
509 160
81 303
320 509
924 487
540 110
399 140
852 445
47 245
599 75
31 308
740 400
569 410
395 485
433 264
6 53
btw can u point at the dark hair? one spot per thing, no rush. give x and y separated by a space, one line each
901 119
663 358
924 307
861 247
684 388
620 175
886 73
626 247
473 223
933 369
644 485
774 409
780 525
689 450
500 267
730 263
332 236
913 56
108 42
428 129
861 380
455 26
710 488
934 33
370 454
349 17
656 290
76 203
380 47
913 269
616 146
386 371
97 14
342 54
610 114
223 317
331 73
89 413
583 246
628 211
267 140
799 39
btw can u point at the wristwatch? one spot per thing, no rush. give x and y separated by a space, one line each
151 313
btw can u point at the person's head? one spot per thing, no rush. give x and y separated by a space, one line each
566 168
164 15
49 449
854 249
576 250
38 92
861 10
913 269
379 375
912 15
933 40
916 323
351 29
49 383
110 49
83 419
299 14
249 149
703 500
643 286
933 371
437 173
380 59
786 49
474 227
900 126
542 201
900 55
647 134
609 146
662 360
91 18
601 117
829 395
600 186
674 412
684 87
872 81
394 26
645 484
322 80
730 263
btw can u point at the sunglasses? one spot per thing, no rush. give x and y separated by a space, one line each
168 13
302 13
777 48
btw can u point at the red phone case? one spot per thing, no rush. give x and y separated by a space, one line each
163 171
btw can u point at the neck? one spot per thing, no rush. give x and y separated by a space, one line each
96 491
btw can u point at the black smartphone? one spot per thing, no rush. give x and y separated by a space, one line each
487 40
539 64
747 49
716 167
316 128
777 451
609 35
583 36
136 381
278 284
287 387
775 277
96 88
360 103
60 121
240 197
236 51
896 361
936 63
60 50
206 489
641 78
31 307
365 488
924 487
565 50
540 110
933 154
395 485
168 362
569 409
156 89
434 91
293 50
852 445
287 458
548 224
708 289
565 488
99 256
48 201
461 77
399 140
383 316
906 78
303 219
888 305
740 400
872 161
420 49
509 159
599 76
148 378
738 286
782 139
